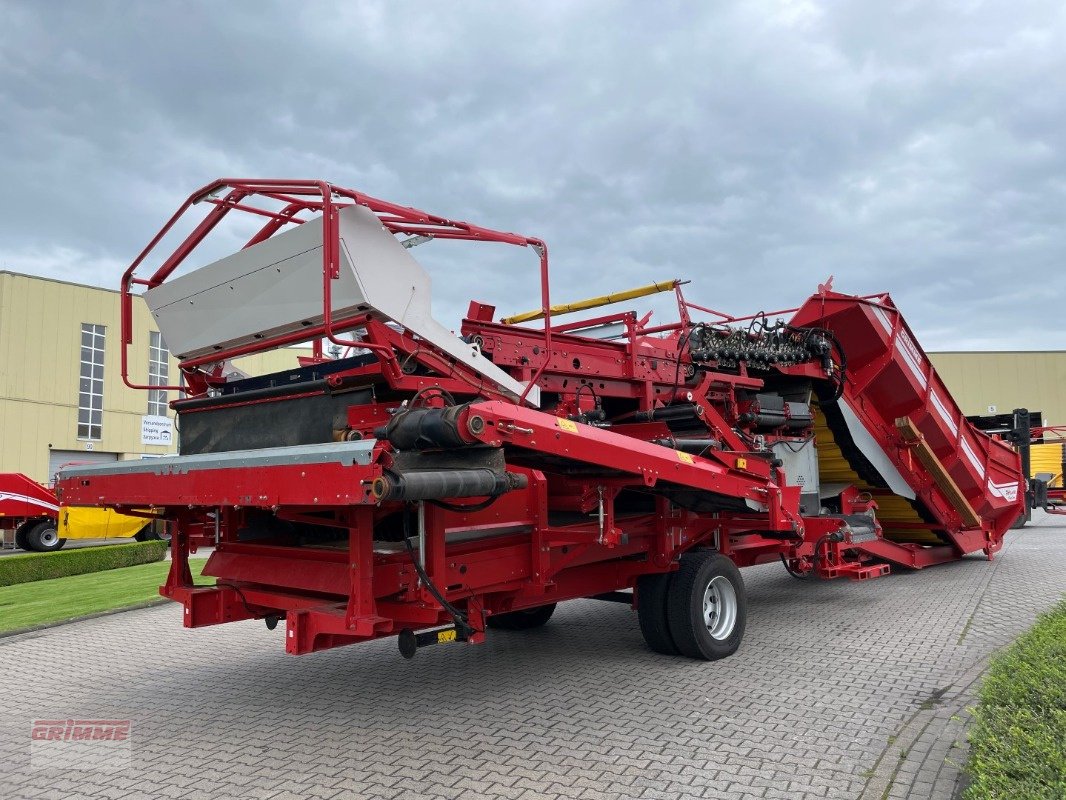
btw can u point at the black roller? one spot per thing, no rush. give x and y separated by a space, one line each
441 484
422 428
670 413
688 445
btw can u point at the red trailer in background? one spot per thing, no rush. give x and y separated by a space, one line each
30 511
434 485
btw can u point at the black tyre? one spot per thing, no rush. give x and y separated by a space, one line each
522 620
44 537
706 606
652 591
20 534
154 531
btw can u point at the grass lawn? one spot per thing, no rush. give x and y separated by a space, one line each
1018 742
40 602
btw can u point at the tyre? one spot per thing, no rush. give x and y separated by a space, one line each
44 537
21 531
154 531
706 606
522 620
652 591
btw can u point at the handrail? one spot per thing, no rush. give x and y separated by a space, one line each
299 195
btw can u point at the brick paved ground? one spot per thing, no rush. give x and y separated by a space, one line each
834 683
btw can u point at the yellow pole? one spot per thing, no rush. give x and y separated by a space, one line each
593 302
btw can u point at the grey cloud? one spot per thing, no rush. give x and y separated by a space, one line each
753 147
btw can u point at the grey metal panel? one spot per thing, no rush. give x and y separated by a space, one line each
347 453
266 289
275 287
800 464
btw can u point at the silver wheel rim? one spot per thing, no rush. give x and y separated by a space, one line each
49 537
720 608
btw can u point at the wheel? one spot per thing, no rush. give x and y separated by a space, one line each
20 534
522 620
706 606
651 612
44 538
154 531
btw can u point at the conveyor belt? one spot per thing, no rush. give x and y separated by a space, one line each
832 440
346 453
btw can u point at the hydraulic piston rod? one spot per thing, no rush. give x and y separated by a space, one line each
593 302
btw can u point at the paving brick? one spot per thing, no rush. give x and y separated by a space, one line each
579 709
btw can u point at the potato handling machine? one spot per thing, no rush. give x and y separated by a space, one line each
432 485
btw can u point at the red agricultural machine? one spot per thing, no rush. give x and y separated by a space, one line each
434 485
29 510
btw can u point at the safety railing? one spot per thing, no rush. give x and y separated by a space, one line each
298 197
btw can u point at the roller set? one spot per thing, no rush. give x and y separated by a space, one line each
434 485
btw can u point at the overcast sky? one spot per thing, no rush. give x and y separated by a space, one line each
756 148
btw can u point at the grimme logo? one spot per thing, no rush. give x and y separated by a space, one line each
92 744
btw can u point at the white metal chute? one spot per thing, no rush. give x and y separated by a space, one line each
275 288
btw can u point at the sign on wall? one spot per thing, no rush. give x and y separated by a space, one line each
157 430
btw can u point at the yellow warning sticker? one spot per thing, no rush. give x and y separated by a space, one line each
742 463
566 424
686 457
443 637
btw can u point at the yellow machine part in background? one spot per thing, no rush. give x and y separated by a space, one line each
86 522
1046 458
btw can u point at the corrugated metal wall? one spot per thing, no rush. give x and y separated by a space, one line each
1009 380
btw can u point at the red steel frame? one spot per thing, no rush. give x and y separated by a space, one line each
526 552
300 196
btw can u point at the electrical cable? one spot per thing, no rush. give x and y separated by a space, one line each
802 444
685 337
240 594
577 394
800 576
445 395
458 616
404 363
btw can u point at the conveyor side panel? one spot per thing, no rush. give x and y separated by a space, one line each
889 377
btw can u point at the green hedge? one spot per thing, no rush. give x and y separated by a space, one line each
1018 742
41 566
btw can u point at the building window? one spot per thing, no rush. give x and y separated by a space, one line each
158 374
91 387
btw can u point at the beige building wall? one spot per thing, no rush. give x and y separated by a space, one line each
40 356
1006 380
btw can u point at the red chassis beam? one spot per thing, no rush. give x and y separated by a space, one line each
353 590
728 474
334 596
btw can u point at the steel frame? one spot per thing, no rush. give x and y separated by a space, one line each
300 196
599 507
